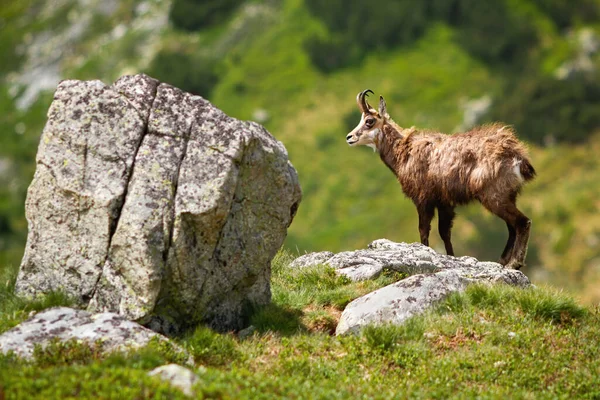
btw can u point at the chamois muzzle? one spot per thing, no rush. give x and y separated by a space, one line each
361 100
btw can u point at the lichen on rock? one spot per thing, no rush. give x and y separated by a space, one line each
110 331
151 202
432 277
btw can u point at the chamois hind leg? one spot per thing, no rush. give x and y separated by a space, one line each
509 212
507 253
523 227
426 214
446 216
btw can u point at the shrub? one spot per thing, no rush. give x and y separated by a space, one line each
330 54
491 30
193 15
565 12
552 306
373 26
210 348
363 27
67 353
546 109
192 72
495 31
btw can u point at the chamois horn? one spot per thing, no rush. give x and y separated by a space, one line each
361 99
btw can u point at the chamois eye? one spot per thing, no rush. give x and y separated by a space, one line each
370 121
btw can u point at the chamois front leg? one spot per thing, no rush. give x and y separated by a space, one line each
446 215
426 213
508 249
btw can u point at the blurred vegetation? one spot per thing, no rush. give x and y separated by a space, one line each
489 29
551 109
193 15
179 67
504 34
303 61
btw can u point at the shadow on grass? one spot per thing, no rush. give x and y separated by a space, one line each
274 318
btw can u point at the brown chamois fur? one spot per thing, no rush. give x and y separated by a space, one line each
438 171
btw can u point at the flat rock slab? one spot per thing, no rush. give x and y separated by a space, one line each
409 258
396 303
113 331
433 277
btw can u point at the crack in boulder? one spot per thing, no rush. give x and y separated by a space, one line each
59 239
129 174
162 239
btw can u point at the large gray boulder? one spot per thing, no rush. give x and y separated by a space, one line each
432 277
112 332
152 203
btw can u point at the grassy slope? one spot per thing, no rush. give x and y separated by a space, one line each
463 349
350 198
489 342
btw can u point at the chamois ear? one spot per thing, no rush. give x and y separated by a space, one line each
382 108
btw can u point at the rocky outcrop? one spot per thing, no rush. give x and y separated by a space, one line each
112 332
433 277
152 203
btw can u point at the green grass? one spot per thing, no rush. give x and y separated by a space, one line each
489 342
310 298
14 309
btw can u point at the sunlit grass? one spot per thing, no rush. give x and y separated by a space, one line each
490 341
15 309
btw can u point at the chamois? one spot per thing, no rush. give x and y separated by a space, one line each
488 164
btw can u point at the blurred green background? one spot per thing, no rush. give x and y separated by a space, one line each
296 66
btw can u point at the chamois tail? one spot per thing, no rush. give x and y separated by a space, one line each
527 170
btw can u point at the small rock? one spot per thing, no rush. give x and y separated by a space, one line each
474 110
246 332
178 376
399 301
261 115
114 331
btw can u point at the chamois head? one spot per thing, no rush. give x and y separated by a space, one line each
371 122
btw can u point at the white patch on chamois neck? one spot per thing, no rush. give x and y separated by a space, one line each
517 169
375 136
